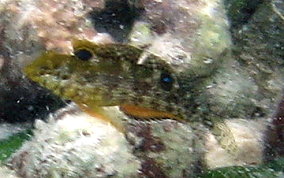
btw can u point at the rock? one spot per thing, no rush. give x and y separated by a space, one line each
52 25
193 36
251 85
249 138
7 129
74 144
159 145
180 31
6 172
259 49
240 11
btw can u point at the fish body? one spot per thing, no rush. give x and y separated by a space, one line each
111 76
142 84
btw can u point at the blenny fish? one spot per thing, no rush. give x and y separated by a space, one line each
98 75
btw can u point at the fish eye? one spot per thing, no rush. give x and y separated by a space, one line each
83 54
166 81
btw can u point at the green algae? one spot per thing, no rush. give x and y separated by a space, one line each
274 169
11 144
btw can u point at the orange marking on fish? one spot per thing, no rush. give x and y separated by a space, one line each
141 113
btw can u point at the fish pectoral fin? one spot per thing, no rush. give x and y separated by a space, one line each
225 137
146 114
100 113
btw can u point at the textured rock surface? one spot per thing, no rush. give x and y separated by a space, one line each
240 11
259 50
5 172
43 25
249 138
7 129
74 144
181 31
251 86
160 144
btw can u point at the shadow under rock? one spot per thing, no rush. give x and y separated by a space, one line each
275 134
21 104
240 11
116 19
20 99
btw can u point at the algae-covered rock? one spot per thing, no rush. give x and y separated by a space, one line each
249 138
159 146
251 85
181 31
193 37
74 144
9 144
6 172
273 169
240 11
259 51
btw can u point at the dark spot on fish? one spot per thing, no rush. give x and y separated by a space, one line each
142 87
61 90
173 98
112 86
65 77
136 89
169 108
140 100
44 68
159 94
154 103
55 66
41 72
83 54
108 96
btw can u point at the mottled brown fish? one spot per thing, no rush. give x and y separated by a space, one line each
114 75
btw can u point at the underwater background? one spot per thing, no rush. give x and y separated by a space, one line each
141 88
